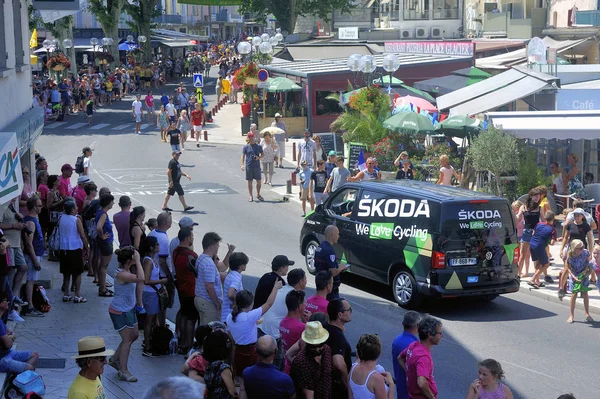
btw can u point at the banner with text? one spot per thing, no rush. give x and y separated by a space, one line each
431 48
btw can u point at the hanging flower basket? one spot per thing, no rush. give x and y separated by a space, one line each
58 61
246 75
251 81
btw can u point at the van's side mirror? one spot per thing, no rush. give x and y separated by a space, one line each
319 208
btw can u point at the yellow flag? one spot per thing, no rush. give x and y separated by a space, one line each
33 42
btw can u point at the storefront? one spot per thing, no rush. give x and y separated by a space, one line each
321 78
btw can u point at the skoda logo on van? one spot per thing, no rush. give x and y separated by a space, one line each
392 207
488 256
477 215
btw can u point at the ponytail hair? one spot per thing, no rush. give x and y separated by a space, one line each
243 300
124 255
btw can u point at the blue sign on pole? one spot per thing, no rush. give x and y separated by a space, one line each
198 80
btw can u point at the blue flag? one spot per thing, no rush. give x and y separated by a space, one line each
361 164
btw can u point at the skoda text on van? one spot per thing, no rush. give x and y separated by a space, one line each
420 239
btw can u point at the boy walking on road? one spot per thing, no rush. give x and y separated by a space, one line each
174 173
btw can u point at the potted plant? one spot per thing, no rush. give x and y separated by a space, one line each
247 75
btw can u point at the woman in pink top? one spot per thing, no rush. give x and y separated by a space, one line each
27 192
488 385
44 216
149 101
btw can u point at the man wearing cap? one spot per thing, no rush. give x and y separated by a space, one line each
12 361
252 153
331 158
87 162
280 138
279 269
307 150
65 188
79 192
91 359
338 176
174 173
311 369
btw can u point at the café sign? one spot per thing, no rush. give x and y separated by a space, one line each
431 48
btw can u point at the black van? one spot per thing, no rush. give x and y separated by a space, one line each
419 238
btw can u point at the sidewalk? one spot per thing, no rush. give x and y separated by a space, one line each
550 291
56 336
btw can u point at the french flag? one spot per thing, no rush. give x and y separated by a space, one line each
361 164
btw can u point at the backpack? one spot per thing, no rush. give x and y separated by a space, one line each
160 339
27 384
39 299
79 165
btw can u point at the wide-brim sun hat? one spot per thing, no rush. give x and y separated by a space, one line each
92 347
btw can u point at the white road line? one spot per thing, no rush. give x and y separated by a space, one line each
55 125
100 126
530 370
144 126
121 127
76 126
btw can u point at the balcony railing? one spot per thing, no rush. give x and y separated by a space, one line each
591 17
445 13
416 14
168 19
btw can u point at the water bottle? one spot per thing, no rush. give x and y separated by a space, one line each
173 346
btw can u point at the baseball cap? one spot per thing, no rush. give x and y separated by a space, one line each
86 149
332 152
66 167
281 261
83 179
187 222
250 134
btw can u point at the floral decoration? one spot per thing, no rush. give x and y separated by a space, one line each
57 60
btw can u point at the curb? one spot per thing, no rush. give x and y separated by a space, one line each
553 297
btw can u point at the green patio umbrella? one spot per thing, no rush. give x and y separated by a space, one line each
409 122
459 126
386 81
281 83
456 80
401 90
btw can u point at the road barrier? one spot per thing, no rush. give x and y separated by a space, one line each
294 152
206 135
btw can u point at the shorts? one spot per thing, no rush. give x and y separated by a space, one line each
138 117
71 262
187 307
16 257
175 147
526 236
538 254
253 173
105 247
304 194
207 311
175 189
32 274
149 108
318 198
173 118
124 320
197 128
14 361
150 301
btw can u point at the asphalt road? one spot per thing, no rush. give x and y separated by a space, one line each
541 354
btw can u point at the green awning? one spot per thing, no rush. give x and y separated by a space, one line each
212 2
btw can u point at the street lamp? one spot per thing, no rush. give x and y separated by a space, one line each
46 44
129 38
365 64
391 63
94 43
67 45
141 40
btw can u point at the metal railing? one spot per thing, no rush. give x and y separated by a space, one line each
591 17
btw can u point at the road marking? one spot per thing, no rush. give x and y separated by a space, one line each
76 126
121 127
100 126
55 125
144 126
530 370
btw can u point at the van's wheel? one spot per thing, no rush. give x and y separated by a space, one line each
404 290
309 256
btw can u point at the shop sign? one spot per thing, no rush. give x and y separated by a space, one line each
348 33
11 179
431 48
578 100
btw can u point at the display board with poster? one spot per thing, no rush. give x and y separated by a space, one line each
353 154
331 141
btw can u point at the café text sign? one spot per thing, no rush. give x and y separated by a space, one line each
431 48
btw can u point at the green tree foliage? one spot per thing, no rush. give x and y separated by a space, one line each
287 11
142 12
109 16
529 175
496 151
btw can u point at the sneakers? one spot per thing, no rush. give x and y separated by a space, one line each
33 312
19 301
167 209
549 280
146 353
188 208
14 316
140 310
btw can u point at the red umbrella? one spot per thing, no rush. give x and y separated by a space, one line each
415 101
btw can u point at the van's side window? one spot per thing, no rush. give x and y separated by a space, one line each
343 202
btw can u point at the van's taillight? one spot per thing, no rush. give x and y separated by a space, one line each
516 255
478 202
438 260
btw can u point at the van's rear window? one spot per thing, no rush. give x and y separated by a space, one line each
490 222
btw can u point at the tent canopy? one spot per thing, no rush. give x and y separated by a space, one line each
456 80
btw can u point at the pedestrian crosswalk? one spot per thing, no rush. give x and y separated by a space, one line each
74 125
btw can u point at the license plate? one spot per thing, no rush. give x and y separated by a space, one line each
472 279
463 261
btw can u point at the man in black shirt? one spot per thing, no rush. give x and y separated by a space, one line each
318 182
340 313
279 267
174 173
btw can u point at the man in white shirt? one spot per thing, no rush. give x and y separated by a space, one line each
87 161
271 320
307 151
171 111
136 108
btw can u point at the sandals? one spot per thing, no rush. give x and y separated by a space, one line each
79 299
260 198
589 319
126 376
533 285
67 298
106 293
570 320
114 364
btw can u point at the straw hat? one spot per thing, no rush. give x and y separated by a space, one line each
92 347
314 333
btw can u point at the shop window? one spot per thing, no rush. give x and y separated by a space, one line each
327 106
445 9
416 9
18 31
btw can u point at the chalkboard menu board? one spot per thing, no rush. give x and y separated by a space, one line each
354 154
331 141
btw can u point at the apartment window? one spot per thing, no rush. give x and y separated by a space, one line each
18 31
445 9
416 9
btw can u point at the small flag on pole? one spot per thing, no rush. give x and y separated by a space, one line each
33 42
361 164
